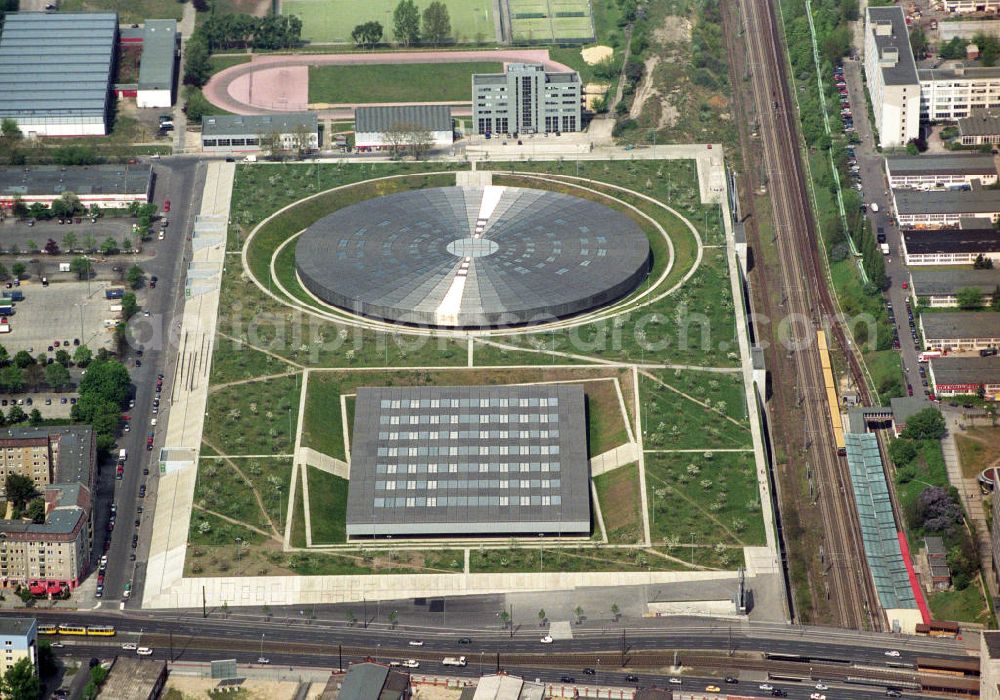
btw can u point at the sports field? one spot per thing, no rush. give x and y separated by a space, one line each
396 82
331 21
543 21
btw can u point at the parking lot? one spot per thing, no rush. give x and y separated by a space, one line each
20 233
49 404
63 311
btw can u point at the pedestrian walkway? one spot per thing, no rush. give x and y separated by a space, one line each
189 396
972 501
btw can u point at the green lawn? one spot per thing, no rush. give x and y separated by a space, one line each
322 424
621 503
234 361
254 418
331 21
129 11
271 478
704 497
960 606
605 423
400 82
551 21
221 490
327 507
671 421
220 63
565 559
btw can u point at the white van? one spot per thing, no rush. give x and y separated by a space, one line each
874 207
144 651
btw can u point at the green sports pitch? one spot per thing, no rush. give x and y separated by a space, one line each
547 21
332 21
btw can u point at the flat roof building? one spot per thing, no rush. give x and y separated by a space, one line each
892 76
104 185
19 640
53 554
262 133
373 681
953 376
960 330
501 686
158 65
56 70
945 207
960 6
526 99
980 127
926 171
131 678
469 461
940 288
961 246
377 128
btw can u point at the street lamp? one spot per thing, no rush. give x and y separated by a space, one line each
262 644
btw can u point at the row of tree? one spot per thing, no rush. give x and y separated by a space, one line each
409 26
22 370
103 394
230 31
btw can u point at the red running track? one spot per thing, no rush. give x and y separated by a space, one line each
275 84
918 593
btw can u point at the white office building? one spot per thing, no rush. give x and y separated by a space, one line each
948 94
892 76
963 6
935 171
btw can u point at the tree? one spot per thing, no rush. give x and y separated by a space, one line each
918 42
81 266
579 614
18 268
56 375
89 242
969 298
51 247
902 452
109 246
20 682
9 130
982 263
937 510
107 380
23 358
953 49
62 357
393 617
46 659
541 617
406 22
367 35
20 209
437 22
4 355
82 356
4 274
36 510
130 307
69 242
197 62
16 415
97 675
19 489
615 610
135 277
927 424
11 379
39 211
35 417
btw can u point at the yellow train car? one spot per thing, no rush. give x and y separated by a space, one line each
831 393
73 629
100 631
48 629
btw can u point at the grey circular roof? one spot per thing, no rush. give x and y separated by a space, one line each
472 257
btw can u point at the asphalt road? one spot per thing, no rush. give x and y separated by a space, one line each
606 673
876 191
180 181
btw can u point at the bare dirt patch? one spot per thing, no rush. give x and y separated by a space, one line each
593 91
646 90
595 54
253 689
673 30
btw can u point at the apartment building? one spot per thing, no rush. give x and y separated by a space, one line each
526 99
892 76
964 6
53 554
26 456
957 246
949 94
19 639
938 208
935 171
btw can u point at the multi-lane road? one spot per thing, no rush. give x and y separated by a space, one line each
180 180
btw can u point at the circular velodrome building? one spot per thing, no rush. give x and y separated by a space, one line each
467 257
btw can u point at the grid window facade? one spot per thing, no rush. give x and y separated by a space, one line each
458 481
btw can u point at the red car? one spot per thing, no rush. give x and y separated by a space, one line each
120 472
166 205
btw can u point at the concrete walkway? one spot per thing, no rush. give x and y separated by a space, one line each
614 458
323 462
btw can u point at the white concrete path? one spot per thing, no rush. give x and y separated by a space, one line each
323 462
614 458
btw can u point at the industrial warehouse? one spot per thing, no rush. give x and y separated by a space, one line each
956 376
472 460
103 185
56 72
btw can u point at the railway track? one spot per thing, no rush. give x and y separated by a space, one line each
645 659
807 301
